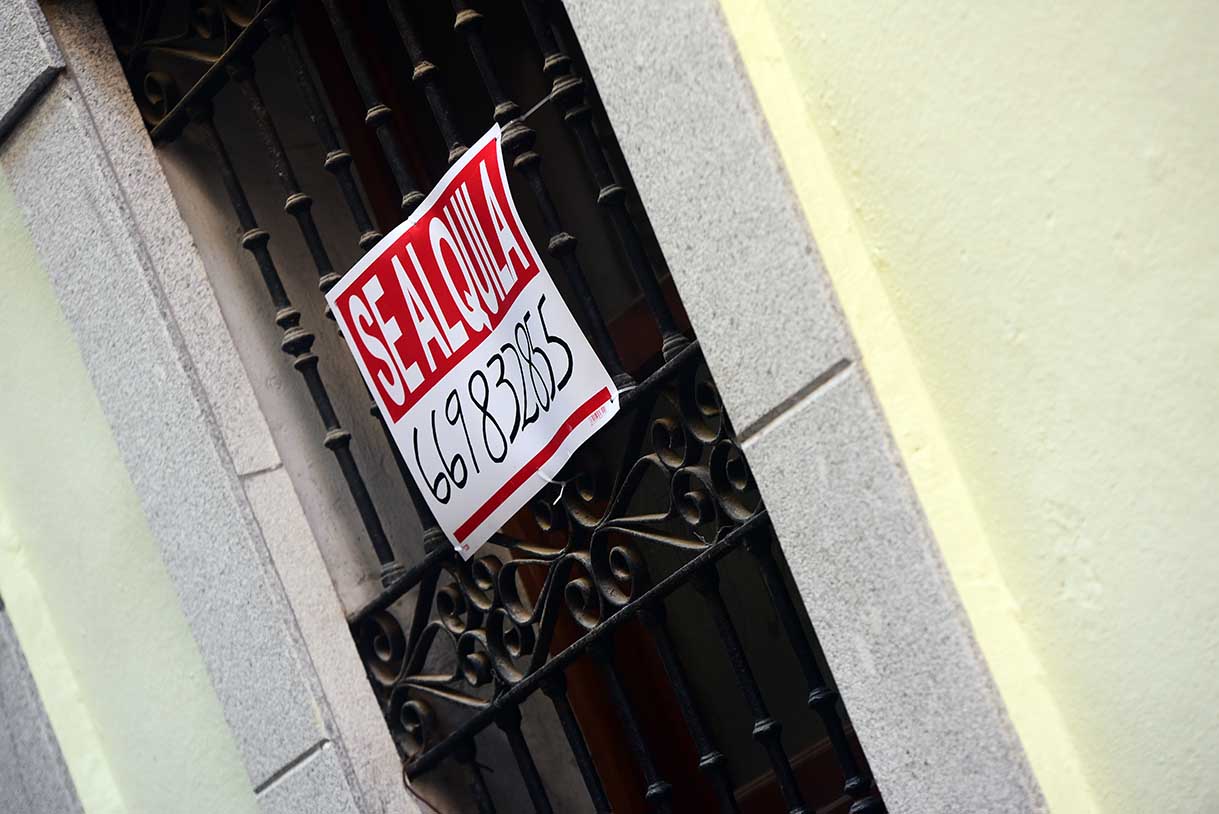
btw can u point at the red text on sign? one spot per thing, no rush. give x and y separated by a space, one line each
426 300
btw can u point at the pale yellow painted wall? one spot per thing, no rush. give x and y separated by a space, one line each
1019 208
96 614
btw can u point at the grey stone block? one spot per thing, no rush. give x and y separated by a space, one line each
29 59
287 672
930 720
86 241
33 777
717 196
365 750
315 786
173 258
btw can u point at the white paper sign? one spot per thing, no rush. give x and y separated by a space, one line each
485 378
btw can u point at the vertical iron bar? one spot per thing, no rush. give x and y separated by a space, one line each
518 140
766 730
296 341
420 615
377 115
711 761
296 202
338 163
555 688
659 791
568 92
427 76
510 722
338 160
465 755
822 699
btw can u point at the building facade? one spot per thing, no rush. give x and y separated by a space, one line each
183 547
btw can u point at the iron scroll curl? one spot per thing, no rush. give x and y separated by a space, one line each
666 475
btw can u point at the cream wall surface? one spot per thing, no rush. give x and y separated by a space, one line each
1018 207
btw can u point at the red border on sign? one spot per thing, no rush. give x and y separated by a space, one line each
525 472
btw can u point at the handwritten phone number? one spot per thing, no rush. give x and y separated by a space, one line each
520 367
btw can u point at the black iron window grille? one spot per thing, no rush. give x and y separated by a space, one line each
647 511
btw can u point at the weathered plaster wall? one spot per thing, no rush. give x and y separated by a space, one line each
1017 205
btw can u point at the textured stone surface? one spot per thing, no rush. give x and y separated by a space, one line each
173 259
33 777
246 567
717 196
315 786
359 731
29 59
91 250
884 610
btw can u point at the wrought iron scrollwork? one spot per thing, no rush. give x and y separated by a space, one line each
666 474
166 48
